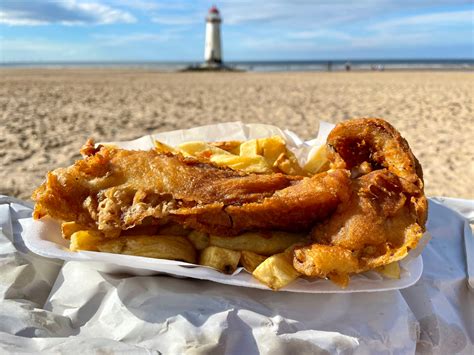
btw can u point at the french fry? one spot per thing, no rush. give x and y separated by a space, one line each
271 148
391 271
112 245
85 240
275 153
254 164
69 228
201 150
164 148
264 243
224 260
318 161
249 148
263 155
232 147
153 246
170 247
250 260
276 271
200 240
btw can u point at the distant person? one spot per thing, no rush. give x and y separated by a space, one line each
329 66
348 66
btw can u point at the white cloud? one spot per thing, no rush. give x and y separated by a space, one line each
66 12
317 14
409 32
137 4
320 34
121 40
147 5
433 19
177 20
118 40
98 47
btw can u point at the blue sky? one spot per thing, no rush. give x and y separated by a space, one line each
146 30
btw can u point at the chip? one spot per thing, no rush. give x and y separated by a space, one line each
224 260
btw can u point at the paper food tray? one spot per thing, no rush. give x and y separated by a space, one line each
44 237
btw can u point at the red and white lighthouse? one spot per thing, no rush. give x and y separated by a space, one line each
213 47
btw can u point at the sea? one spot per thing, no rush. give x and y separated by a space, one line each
270 66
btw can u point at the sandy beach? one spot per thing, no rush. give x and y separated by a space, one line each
46 115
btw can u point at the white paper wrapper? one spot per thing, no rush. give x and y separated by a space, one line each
44 237
51 307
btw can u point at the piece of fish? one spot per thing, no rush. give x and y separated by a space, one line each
383 216
113 190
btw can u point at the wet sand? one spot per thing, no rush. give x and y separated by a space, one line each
47 114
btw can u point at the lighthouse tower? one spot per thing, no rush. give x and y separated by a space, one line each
213 48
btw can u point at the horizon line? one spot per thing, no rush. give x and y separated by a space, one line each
120 61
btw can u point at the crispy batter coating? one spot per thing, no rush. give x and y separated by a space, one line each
358 143
385 214
114 190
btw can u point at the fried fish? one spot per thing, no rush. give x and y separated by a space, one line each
112 190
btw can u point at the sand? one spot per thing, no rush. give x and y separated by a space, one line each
47 114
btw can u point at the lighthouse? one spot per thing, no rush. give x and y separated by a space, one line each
213 47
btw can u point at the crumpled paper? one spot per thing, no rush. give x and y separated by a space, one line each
47 306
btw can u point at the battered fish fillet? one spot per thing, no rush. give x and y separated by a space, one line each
112 190
384 215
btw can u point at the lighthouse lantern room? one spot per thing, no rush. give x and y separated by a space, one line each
213 48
